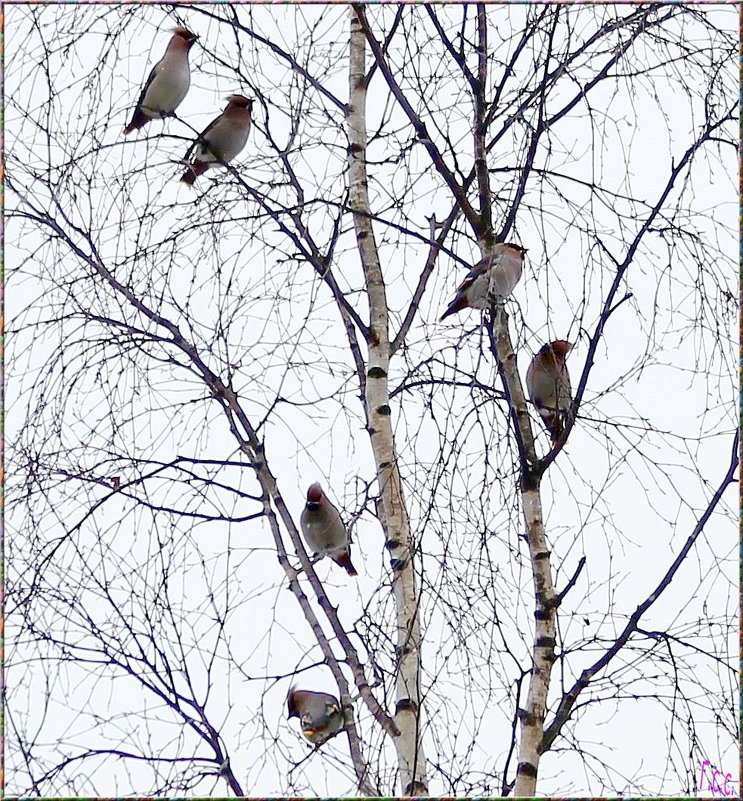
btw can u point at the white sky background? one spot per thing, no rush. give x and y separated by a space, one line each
625 498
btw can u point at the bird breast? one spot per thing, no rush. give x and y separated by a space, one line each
228 137
505 273
499 280
170 84
550 389
323 530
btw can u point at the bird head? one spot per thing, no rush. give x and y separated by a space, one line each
186 35
517 248
240 101
561 347
314 496
292 701
314 492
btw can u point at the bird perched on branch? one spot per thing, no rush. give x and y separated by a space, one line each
491 279
221 140
167 83
320 714
548 383
323 529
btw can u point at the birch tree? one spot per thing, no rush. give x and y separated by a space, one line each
184 362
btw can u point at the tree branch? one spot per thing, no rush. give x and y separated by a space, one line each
565 707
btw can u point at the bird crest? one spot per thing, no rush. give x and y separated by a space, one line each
184 33
239 100
560 347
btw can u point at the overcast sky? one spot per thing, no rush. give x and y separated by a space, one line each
651 445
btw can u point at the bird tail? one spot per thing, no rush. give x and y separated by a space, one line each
193 172
138 120
344 560
555 422
555 426
455 306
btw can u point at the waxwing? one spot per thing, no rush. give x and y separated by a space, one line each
323 529
168 82
221 140
320 714
497 274
548 383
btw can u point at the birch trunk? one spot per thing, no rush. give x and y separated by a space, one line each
411 758
531 717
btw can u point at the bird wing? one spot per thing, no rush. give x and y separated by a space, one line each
566 391
150 78
331 708
201 139
479 269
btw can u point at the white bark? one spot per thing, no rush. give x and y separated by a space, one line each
532 716
411 758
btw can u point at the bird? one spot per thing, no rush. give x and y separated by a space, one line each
320 714
221 140
548 384
167 83
492 278
323 529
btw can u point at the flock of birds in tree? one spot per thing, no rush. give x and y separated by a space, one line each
163 92
491 279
